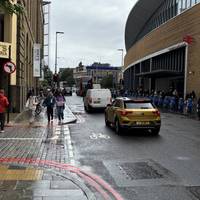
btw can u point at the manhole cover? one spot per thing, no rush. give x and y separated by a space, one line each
140 170
140 173
16 167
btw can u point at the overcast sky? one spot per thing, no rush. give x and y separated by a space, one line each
93 31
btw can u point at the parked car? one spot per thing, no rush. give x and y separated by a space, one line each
97 99
127 113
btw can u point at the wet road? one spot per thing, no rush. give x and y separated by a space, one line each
140 166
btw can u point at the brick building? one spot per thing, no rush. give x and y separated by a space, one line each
162 41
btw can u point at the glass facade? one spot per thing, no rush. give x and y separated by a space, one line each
168 10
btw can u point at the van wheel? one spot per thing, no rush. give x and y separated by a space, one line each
106 121
88 109
118 128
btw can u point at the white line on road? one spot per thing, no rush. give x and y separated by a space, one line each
21 138
68 145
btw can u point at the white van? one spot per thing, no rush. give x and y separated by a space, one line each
97 98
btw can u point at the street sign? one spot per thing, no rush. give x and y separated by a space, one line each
9 67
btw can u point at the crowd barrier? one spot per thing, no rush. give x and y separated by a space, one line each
172 104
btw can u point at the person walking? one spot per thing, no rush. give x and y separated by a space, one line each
49 102
60 105
31 104
198 108
3 105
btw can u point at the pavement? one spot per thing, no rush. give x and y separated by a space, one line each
37 161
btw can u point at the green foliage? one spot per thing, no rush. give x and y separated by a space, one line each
67 75
107 82
44 83
10 7
48 76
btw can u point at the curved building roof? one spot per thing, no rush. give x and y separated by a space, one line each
137 19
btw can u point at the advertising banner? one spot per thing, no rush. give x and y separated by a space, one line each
36 60
4 50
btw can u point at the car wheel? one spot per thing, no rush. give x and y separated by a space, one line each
155 132
106 121
118 128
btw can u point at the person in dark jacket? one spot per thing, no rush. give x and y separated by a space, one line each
198 108
49 102
3 105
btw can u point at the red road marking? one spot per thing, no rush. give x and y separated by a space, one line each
92 179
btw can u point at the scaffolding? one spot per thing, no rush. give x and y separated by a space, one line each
46 11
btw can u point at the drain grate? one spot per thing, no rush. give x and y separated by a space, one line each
195 191
18 167
140 170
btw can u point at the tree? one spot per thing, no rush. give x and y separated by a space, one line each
107 82
67 75
48 76
11 7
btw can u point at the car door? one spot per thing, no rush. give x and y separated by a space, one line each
112 113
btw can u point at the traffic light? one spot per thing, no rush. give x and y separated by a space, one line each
55 78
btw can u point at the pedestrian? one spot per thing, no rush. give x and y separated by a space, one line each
193 95
49 102
3 105
31 104
60 105
198 108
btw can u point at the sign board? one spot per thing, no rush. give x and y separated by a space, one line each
188 39
4 50
9 67
36 60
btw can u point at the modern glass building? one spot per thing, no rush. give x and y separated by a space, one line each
162 39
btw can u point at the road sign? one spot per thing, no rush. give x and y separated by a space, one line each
9 67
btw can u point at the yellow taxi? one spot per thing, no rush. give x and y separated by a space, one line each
128 113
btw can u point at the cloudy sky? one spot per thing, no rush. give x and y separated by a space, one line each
93 31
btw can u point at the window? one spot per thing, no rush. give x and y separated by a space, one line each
193 2
179 6
184 5
1 27
137 105
117 103
188 3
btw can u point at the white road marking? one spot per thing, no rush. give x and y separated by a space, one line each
71 154
95 136
69 144
72 161
21 138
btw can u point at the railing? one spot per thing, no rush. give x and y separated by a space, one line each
171 104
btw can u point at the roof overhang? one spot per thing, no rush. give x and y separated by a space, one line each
138 17
160 73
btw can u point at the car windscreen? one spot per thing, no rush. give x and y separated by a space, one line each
137 105
101 93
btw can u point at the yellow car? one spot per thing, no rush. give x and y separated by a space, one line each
127 113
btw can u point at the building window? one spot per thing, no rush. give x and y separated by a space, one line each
193 2
1 27
188 3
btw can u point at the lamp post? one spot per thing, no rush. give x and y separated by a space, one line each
122 61
56 51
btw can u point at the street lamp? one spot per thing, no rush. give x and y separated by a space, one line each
56 51
122 62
